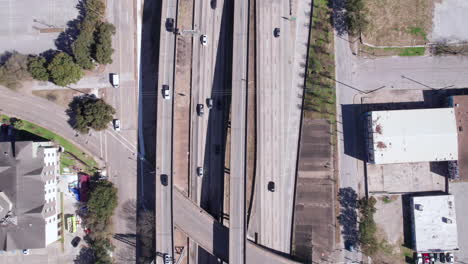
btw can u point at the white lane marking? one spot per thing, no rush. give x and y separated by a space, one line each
121 142
105 146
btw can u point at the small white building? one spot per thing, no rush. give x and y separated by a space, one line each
419 135
434 223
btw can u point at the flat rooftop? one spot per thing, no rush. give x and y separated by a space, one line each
417 135
460 106
435 223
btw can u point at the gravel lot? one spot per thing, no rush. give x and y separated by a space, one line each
24 19
449 21
459 189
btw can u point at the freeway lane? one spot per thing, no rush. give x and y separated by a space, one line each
278 126
164 225
237 215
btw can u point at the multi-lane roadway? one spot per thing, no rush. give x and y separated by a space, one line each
164 132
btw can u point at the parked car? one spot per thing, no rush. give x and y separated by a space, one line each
271 186
166 92
204 40
431 256
426 258
164 179
276 32
116 123
213 4
26 252
418 259
200 109
450 258
167 259
115 80
75 241
442 257
209 103
200 171
170 24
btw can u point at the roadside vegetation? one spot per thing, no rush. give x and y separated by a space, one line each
101 206
71 156
367 51
90 47
319 95
356 16
367 226
88 112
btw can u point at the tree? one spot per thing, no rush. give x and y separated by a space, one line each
356 17
104 48
95 9
84 44
102 200
63 70
88 112
14 70
37 68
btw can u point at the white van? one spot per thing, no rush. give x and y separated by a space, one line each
115 80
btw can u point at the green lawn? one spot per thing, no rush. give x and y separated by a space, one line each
416 51
66 159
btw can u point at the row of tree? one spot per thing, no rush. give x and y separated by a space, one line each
92 46
101 205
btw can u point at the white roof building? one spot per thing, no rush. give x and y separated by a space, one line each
418 135
434 226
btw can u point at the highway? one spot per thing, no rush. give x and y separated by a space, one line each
278 122
212 236
237 213
210 66
164 139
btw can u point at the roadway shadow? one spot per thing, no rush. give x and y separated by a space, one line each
348 217
147 128
65 39
338 18
212 194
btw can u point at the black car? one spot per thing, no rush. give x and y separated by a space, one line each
170 24
200 109
271 186
75 241
276 32
442 257
213 4
164 179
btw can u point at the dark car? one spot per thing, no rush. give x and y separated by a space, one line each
213 4
170 24
271 186
276 32
164 179
200 109
209 103
75 241
442 257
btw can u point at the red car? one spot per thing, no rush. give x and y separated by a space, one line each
426 258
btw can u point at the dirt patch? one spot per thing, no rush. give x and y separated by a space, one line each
398 22
182 90
61 97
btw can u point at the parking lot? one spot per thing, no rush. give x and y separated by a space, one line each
30 21
449 21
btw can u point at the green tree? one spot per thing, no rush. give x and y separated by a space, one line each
37 68
95 9
102 200
84 44
14 70
101 247
104 48
63 70
88 112
356 17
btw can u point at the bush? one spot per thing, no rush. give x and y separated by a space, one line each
37 68
88 112
104 48
356 17
82 50
101 247
63 71
14 70
367 226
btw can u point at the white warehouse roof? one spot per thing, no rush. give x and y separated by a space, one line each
418 135
435 223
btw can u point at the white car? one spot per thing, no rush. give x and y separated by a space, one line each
204 40
116 124
167 259
450 258
26 252
115 80
166 92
